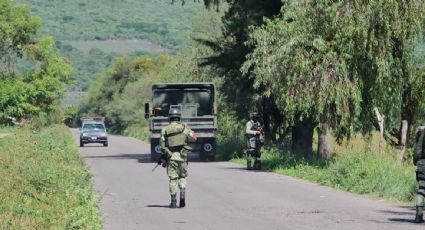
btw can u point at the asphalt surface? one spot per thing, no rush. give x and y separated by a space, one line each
223 195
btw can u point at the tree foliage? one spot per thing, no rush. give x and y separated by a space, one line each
230 50
335 61
36 91
390 32
304 58
17 29
120 93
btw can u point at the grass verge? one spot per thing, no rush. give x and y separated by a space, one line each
7 130
45 184
356 171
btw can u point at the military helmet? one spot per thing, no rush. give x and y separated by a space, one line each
174 113
253 115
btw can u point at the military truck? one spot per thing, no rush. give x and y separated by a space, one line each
196 102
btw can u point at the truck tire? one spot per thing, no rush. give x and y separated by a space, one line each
155 149
208 150
81 144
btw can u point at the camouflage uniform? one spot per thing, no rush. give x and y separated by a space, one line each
419 160
173 143
252 131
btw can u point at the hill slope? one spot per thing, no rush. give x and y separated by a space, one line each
157 21
93 33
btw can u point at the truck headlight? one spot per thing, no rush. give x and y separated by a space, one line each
85 134
103 134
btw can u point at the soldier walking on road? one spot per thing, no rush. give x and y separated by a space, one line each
419 160
173 142
253 134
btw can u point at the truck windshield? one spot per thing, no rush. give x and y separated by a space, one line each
93 127
192 102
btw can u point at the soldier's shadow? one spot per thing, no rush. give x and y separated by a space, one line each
140 157
157 206
404 216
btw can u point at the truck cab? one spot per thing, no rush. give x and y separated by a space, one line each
196 102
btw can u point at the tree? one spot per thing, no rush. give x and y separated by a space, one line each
17 30
334 61
120 92
230 52
392 75
35 91
304 59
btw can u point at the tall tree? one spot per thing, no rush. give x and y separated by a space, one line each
36 90
17 30
392 75
231 50
303 57
335 61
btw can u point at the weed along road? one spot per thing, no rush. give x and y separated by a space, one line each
223 195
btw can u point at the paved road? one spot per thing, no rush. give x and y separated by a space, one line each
223 196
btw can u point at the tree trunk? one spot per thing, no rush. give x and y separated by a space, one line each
403 146
268 136
408 110
381 121
324 148
302 137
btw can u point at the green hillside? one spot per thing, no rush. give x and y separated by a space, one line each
155 20
92 34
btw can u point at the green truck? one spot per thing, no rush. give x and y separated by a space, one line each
197 103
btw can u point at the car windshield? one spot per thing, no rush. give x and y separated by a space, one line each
93 127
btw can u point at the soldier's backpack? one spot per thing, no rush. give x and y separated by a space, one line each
174 135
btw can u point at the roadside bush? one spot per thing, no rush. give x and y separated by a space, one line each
356 171
45 184
230 139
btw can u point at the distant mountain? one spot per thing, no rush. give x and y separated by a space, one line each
157 21
92 33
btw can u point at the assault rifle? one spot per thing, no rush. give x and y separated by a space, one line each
161 161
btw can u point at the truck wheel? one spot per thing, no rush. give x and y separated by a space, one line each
81 144
208 150
155 150
105 144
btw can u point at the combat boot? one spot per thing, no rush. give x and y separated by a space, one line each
173 201
249 163
182 203
257 164
419 215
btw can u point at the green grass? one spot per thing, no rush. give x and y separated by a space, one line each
7 130
356 171
45 184
4 134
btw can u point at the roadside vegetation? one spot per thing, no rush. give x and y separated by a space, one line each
357 167
45 184
7 130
